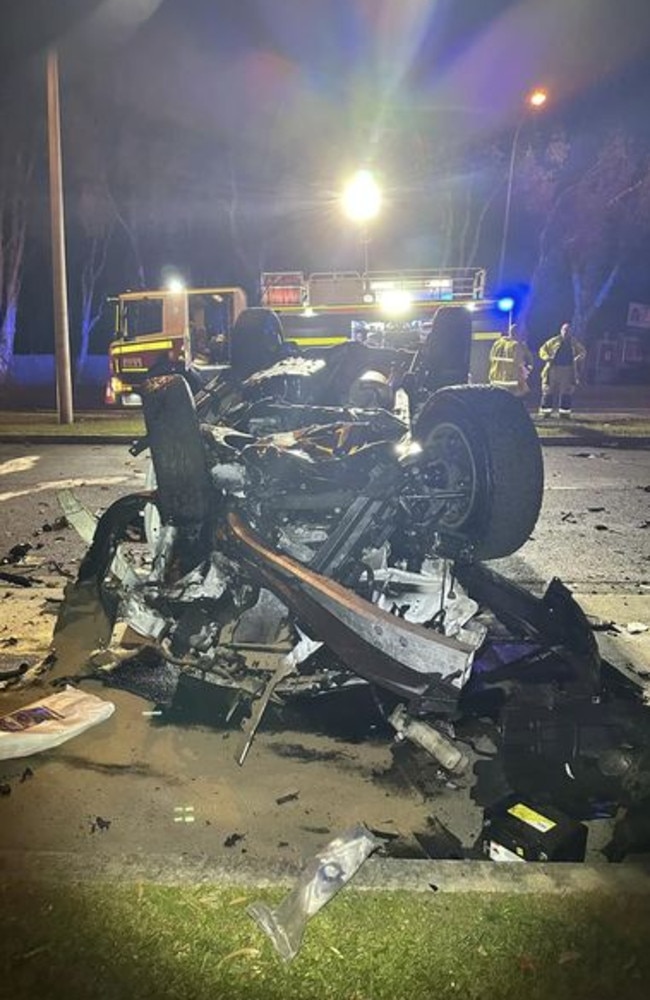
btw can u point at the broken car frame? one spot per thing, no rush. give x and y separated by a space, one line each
319 523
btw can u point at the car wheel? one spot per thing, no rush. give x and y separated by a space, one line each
177 452
480 444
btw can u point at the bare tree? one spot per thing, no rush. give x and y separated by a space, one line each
592 206
98 224
16 169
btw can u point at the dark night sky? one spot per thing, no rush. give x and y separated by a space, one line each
477 55
319 80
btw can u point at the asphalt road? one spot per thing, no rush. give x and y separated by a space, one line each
142 776
590 533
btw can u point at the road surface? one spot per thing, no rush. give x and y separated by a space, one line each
167 787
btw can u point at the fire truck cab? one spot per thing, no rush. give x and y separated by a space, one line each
168 330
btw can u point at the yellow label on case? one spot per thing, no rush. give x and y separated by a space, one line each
531 818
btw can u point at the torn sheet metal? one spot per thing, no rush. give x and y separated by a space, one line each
395 653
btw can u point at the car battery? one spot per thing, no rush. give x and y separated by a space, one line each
519 830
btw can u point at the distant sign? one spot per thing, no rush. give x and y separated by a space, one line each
638 314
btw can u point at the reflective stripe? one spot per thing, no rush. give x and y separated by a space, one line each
141 346
317 341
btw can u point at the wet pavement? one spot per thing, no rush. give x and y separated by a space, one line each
169 783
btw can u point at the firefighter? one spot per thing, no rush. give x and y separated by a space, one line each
563 356
511 363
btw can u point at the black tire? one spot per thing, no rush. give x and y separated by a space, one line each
177 452
482 438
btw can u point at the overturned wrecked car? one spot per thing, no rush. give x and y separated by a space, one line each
316 523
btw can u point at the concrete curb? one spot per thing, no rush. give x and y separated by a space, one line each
378 874
65 439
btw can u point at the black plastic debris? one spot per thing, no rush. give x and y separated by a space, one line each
26 775
101 824
5 789
13 665
290 796
58 525
17 579
15 554
233 839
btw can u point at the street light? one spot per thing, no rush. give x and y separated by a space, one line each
361 202
535 100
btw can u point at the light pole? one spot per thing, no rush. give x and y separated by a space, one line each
535 100
59 279
361 202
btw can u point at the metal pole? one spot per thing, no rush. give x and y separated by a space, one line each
506 217
59 283
365 239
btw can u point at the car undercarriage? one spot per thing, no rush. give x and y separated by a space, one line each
316 524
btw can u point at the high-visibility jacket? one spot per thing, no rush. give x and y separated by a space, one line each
549 349
510 365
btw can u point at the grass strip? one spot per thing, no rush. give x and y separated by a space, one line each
124 940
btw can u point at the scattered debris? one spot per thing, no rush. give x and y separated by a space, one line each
58 525
636 628
26 775
323 877
100 824
570 517
15 554
233 839
596 510
289 796
24 670
13 666
602 624
17 579
601 527
5 789
49 722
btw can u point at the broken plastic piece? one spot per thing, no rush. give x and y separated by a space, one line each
325 874
51 721
289 796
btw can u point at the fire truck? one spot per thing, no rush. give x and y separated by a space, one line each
159 331
167 330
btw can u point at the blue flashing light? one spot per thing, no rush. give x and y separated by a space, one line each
506 304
